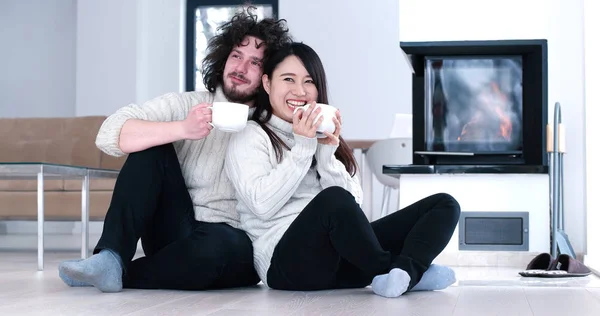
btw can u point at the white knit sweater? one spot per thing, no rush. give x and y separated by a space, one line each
201 160
271 194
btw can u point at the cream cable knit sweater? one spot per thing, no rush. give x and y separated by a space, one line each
270 194
201 161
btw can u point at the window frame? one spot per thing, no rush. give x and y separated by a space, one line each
190 29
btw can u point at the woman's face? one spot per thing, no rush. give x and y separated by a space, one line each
290 87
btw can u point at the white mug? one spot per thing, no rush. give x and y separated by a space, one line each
328 113
228 116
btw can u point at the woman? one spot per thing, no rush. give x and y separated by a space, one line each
299 197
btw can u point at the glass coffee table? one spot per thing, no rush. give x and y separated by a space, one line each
48 171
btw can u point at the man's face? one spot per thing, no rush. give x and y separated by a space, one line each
243 70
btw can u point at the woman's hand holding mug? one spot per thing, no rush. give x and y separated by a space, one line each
333 138
304 122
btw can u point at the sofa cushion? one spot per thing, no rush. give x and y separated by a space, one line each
95 185
56 185
69 141
30 185
60 205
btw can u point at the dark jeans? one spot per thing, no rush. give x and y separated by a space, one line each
332 245
151 202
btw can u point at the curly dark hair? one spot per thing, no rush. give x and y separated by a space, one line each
273 32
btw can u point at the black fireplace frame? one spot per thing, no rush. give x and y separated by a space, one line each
534 54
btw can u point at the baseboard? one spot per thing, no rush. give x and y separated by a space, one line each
514 259
52 242
50 227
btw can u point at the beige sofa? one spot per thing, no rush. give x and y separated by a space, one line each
68 141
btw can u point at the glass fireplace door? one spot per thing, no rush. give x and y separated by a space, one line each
474 104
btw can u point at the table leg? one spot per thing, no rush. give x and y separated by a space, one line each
367 187
85 215
358 155
40 218
366 181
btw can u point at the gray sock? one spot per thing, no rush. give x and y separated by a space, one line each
102 270
68 281
393 284
437 277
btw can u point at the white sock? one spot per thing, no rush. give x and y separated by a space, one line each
68 281
102 270
437 277
393 284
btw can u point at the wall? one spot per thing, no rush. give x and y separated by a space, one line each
160 48
566 85
367 76
472 20
560 23
106 56
37 58
592 81
135 57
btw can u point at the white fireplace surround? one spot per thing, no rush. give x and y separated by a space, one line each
488 193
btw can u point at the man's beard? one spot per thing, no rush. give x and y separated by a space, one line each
233 95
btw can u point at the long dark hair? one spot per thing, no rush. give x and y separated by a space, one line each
315 69
273 32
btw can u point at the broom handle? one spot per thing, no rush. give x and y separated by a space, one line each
551 154
550 136
562 193
555 177
561 169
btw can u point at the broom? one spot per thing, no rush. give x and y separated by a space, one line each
556 149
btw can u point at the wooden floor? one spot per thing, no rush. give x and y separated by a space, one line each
479 291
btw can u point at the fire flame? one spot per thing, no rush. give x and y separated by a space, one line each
505 123
497 101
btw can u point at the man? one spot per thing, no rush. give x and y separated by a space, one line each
172 192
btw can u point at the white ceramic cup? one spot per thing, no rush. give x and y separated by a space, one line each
328 113
229 117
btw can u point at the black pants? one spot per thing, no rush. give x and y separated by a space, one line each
332 245
151 202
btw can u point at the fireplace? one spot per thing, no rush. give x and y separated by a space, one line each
479 103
